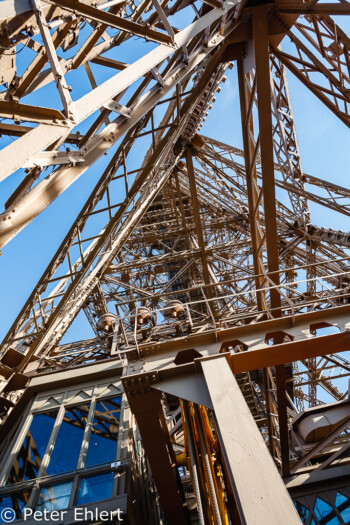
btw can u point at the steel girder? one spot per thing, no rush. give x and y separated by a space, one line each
191 222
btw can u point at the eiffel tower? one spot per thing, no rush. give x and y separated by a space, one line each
208 383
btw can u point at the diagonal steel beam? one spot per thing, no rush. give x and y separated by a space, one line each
50 188
13 156
63 88
109 243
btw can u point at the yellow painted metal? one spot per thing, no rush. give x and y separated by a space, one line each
209 446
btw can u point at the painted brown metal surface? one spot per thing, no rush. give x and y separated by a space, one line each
196 223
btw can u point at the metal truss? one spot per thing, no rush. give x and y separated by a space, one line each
320 59
193 221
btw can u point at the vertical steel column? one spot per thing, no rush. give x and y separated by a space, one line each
260 494
263 86
246 101
268 410
198 224
263 79
150 420
311 292
194 464
208 468
283 417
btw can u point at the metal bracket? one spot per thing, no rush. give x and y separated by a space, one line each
118 108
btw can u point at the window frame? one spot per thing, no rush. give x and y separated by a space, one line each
62 399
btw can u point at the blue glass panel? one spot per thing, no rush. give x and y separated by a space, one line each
12 505
343 505
55 497
64 457
95 488
325 513
104 433
31 453
313 522
302 511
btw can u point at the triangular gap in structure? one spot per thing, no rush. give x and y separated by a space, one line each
78 330
52 402
109 390
81 396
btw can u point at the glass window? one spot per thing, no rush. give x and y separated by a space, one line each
64 457
12 505
55 497
343 505
31 453
302 511
325 513
95 488
104 432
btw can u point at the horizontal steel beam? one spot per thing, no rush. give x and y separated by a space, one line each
315 9
288 352
255 336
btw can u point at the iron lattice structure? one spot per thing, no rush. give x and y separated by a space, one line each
178 216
